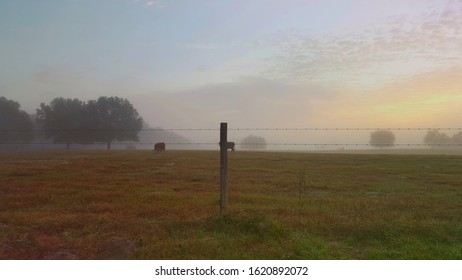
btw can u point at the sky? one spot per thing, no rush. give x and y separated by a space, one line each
251 63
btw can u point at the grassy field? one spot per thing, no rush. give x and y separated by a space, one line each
141 205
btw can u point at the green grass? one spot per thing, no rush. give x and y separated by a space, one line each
281 205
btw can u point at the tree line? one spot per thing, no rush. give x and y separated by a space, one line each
108 119
386 138
436 137
71 121
379 139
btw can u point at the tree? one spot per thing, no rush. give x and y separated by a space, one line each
64 120
115 119
382 138
252 142
15 124
434 137
457 139
74 121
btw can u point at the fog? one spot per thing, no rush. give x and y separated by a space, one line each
261 66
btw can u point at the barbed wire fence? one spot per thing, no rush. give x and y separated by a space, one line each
307 138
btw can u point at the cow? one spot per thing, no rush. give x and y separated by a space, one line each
159 147
230 146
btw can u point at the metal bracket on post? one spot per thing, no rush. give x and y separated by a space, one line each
223 169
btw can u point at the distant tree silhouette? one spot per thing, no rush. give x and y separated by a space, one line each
103 120
456 139
115 119
15 124
64 120
382 138
435 138
252 142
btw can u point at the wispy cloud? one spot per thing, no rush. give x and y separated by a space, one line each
151 3
402 45
155 4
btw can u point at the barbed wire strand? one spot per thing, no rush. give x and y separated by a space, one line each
232 129
242 144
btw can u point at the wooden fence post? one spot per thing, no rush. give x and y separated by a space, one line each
223 169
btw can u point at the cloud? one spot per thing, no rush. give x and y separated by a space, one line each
151 3
401 45
155 4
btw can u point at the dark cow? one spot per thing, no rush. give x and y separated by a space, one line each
229 145
159 147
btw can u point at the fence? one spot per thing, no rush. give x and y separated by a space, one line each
317 138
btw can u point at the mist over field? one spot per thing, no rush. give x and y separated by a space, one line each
253 64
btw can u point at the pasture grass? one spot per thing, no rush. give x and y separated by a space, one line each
281 205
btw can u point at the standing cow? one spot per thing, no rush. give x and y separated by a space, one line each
159 147
229 146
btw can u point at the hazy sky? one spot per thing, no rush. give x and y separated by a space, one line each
252 63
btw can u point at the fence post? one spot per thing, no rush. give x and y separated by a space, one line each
223 169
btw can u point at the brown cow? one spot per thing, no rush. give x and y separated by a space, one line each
159 147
